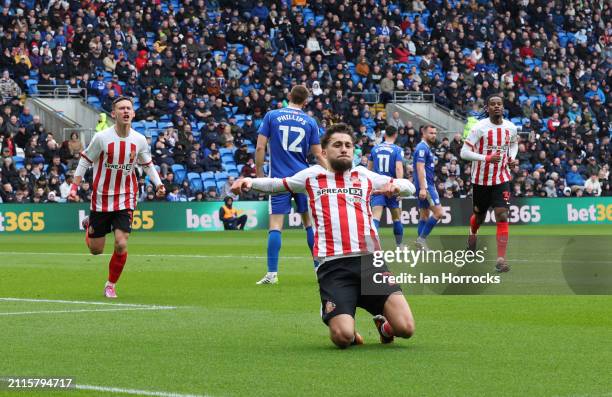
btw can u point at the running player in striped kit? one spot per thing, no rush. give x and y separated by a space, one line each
492 146
346 238
113 153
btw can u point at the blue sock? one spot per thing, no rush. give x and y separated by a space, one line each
398 231
431 222
274 246
421 226
377 223
310 240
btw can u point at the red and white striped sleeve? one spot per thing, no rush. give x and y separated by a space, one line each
92 152
297 182
144 155
89 155
145 160
473 137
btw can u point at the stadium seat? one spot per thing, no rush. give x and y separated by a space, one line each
164 124
227 157
179 175
150 124
176 167
224 151
207 176
193 175
208 184
234 173
220 185
221 176
196 184
239 167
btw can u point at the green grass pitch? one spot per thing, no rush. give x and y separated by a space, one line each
218 334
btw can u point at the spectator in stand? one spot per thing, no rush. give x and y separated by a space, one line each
249 169
242 155
212 162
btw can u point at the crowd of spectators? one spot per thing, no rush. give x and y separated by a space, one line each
213 68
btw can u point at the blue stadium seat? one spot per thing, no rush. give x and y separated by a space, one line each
233 173
207 176
196 184
225 150
176 167
164 124
221 176
193 175
93 101
150 124
179 175
240 167
227 157
229 166
208 184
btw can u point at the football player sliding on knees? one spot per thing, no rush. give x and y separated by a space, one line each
346 238
492 147
113 153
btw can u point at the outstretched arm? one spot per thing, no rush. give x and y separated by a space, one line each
264 185
293 184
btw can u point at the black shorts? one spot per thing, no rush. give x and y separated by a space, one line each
496 196
102 223
341 282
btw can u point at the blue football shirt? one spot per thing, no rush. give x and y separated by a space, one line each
384 156
290 133
423 154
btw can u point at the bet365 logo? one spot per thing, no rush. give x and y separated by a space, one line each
22 221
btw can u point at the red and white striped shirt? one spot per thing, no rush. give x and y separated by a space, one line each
487 138
339 204
113 158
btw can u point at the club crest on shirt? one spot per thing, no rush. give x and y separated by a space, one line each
329 307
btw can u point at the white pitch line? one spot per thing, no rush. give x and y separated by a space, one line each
135 391
135 305
154 255
105 389
84 311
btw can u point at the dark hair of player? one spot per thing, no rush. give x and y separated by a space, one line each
496 95
299 94
390 130
122 98
426 126
340 128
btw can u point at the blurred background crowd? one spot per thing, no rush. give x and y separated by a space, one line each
203 74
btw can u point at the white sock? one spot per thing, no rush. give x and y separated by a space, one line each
271 274
109 284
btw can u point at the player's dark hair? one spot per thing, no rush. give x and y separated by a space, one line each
123 98
298 94
496 95
426 126
390 130
340 128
